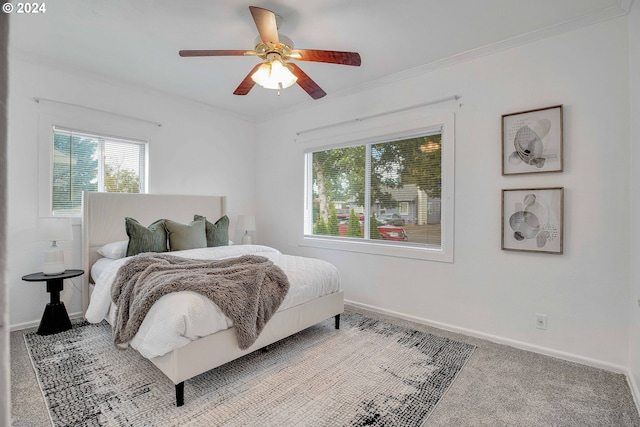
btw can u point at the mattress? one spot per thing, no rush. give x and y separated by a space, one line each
178 318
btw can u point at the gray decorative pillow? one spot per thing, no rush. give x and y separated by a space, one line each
145 239
218 233
186 236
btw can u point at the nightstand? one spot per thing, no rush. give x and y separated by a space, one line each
55 318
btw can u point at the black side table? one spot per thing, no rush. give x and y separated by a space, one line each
55 318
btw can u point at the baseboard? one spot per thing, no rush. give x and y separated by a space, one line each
500 340
25 325
635 391
36 323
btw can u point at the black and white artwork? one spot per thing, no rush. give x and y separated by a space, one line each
532 220
532 141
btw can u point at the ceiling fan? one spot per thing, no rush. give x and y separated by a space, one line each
276 50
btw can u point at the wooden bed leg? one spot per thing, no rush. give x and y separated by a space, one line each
337 321
180 394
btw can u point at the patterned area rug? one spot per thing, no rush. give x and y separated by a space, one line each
368 373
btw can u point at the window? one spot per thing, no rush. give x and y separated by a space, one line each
84 161
390 195
403 208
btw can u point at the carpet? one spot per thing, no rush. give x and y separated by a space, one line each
368 373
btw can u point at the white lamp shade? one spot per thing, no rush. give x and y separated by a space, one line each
274 75
246 223
54 229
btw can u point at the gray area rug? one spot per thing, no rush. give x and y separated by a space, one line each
368 373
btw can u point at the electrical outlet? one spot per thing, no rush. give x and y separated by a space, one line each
541 321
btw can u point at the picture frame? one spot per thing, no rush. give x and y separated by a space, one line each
532 220
532 141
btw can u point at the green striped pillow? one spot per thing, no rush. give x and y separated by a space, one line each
145 239
218 232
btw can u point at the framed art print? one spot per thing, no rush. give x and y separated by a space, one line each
532 220
532 141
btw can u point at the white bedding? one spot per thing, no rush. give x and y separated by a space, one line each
180 317
99 267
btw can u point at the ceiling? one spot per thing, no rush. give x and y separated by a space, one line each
137 42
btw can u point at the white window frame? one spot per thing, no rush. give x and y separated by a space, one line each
102 126
390 131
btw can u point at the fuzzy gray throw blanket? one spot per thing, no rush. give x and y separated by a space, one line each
248 289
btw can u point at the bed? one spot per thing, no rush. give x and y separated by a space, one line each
103 223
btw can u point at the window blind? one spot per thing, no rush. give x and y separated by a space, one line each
396 186
84 161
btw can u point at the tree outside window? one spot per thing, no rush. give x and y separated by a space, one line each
395 180
89 162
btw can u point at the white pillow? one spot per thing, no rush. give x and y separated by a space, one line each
115 250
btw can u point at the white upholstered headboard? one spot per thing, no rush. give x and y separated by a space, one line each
103 219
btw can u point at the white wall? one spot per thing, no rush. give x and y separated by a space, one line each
585 291
198 150
634 84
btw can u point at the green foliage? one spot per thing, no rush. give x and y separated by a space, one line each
333 228
354 229
423 159
75 168
374 233
339 174
342 173
118 180
321 227
410 161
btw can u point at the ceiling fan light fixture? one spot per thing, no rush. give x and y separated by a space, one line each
274 75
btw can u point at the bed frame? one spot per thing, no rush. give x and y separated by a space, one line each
103 222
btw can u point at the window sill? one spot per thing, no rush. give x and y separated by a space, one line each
398 250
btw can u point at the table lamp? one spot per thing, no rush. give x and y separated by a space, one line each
246 223
55 230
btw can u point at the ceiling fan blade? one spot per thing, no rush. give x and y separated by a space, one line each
266 22
306 83
247 84
212 52
330 56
